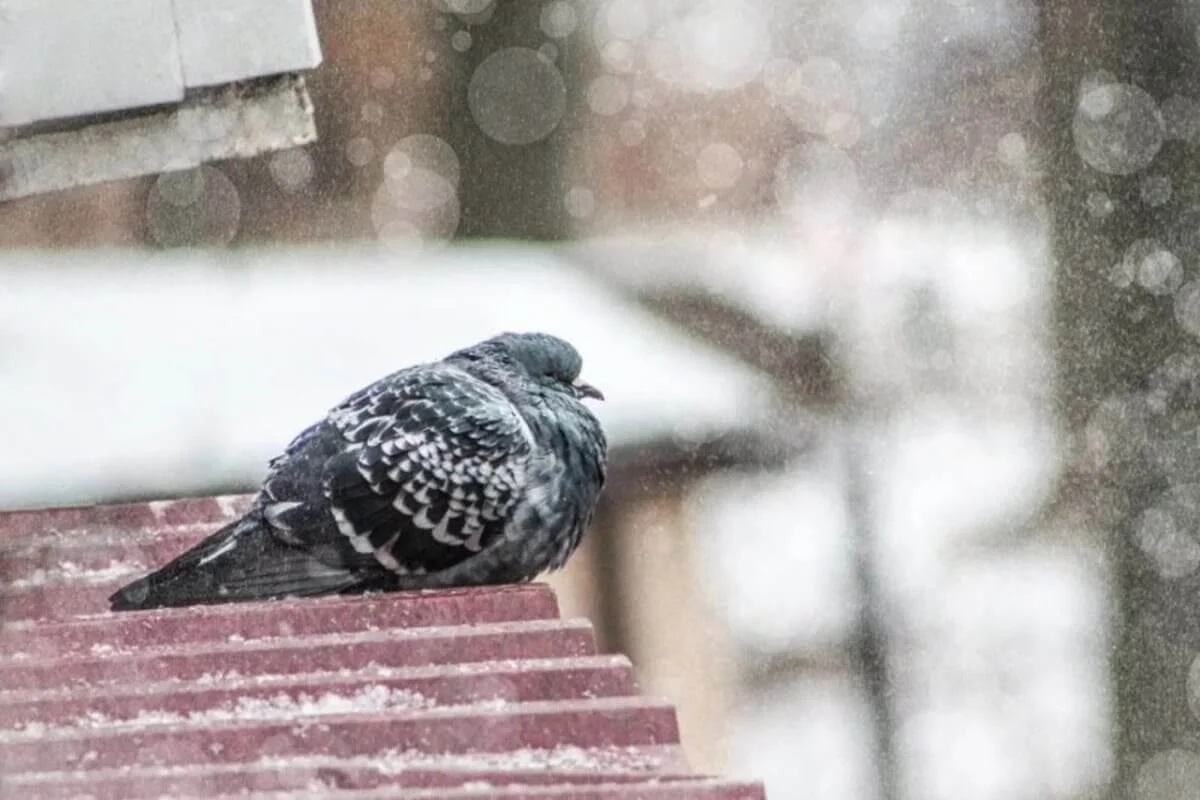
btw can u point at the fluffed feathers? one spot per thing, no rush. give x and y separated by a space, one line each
481 468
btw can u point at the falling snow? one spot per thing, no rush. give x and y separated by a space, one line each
867 179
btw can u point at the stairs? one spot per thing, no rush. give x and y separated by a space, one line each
467 693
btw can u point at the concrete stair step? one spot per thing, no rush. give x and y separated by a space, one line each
281 696
294 655
603 722
300 617
526 767
695 788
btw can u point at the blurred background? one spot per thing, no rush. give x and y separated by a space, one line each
895 305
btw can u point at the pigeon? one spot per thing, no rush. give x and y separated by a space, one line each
482 468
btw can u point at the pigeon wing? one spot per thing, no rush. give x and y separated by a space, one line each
436 462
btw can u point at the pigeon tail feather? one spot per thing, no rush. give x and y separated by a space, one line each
241 562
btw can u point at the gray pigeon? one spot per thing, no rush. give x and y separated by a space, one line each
482 468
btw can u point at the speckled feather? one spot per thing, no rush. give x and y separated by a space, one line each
484 467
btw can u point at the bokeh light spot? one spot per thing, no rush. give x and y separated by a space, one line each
558 19
1099 204
291 170
1155 190
719 165
1164 531
1012 150
1118 129
632 132
516 96
417 199
607 95
359 151
196 207
814 175
579 202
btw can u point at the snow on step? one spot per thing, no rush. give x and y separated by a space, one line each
23 531
98 558
294 655
264 697
525 767
280 618
696 788
604 722
28 572
60 562
94 561
38 559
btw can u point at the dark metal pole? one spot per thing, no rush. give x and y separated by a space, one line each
870 644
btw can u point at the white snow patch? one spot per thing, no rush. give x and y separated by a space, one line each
771 275
567 757
803 594
216 677
809 739
159 508
229 507
283 706
71 572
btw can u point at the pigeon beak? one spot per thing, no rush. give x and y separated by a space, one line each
585 390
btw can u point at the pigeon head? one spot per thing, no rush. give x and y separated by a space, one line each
546 360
